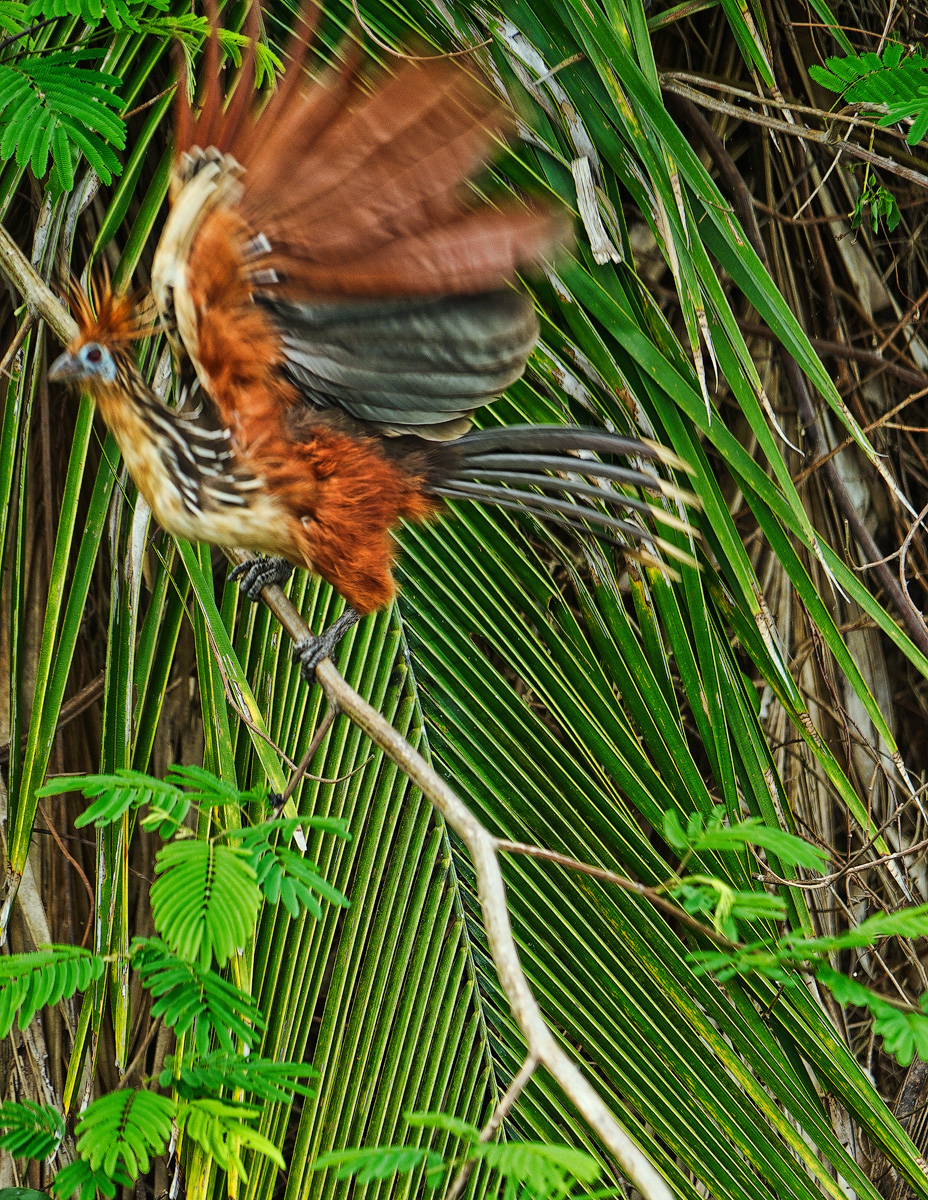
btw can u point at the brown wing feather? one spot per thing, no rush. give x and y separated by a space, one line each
282 137
236 116
209 122
375 204
477 252
381 172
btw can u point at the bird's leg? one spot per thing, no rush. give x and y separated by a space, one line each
257 573
310 651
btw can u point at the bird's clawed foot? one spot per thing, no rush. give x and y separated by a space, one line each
310 651
258 573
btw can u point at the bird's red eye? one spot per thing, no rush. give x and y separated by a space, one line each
94 354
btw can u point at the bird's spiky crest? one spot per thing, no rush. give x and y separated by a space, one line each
106 315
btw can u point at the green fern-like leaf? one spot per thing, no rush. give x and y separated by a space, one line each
124 1127
118 13
114 795
80 1177
13 17
219 1127
168 800
907 923
895 83
281 873
30 1130
713 833
904 1034
206 901
372 1163
262 1077
189 31
30 981
541 1170
188 996
445 1121
209 790
55 105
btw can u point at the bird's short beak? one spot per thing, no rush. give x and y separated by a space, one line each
66 368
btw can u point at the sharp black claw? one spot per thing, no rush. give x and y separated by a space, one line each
310 651
256 574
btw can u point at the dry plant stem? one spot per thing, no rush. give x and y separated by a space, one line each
139 1058
810 885
668 84
868 358
482 847
848 442
69 711
652 895
16 343
77 868
324 726
513 1092
40 299
479 841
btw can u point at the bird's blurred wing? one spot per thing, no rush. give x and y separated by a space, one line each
385 275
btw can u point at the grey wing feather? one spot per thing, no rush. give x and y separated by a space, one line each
408 366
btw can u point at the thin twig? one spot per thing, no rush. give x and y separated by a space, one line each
16 343
652 895
140 1054
499 1114
904 551
301 771
801 131
69 710
848 442
824 346
148 103
77 867
811 885
850 113
27 31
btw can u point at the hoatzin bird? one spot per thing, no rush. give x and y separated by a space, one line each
339 302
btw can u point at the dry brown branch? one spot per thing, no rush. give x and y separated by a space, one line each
652 895
822 137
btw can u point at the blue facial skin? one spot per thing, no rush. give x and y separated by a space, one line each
91 361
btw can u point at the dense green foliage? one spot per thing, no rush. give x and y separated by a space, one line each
573 699
218 1024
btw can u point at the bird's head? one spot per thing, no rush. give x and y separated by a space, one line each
88 362
100 354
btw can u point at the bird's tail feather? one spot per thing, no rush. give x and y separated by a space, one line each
547 471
